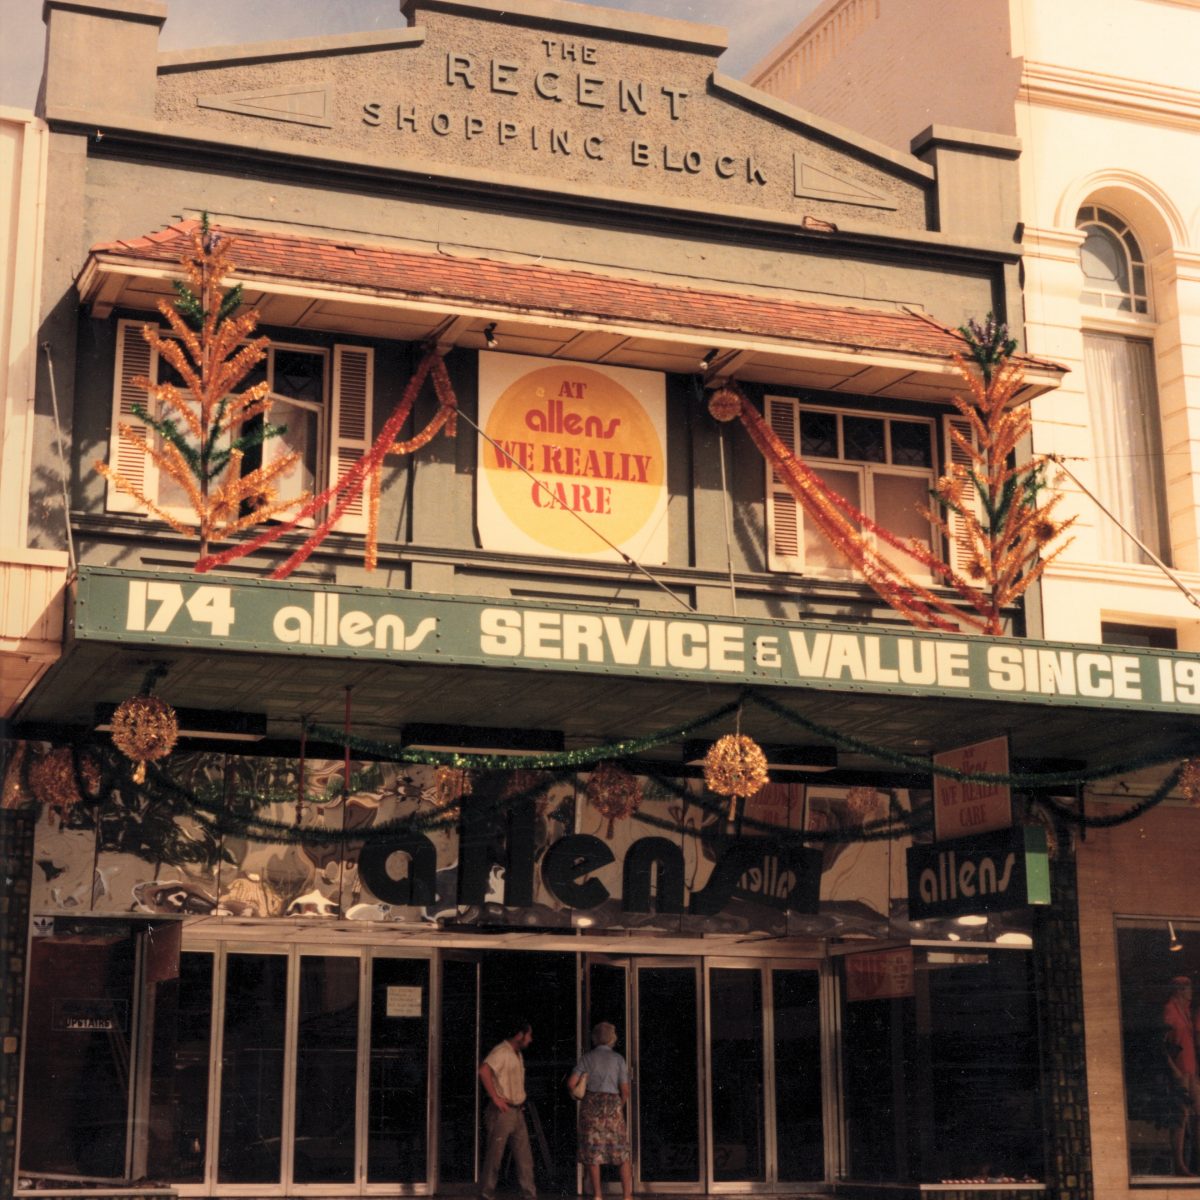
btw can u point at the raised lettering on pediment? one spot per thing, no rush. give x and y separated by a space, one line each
302 105
819 183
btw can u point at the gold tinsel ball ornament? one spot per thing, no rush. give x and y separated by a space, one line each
735 766
1189 781
52 781
613 793
144 729
725 404
450 785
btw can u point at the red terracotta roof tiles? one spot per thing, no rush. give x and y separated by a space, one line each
539 288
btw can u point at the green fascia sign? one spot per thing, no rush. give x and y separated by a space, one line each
273 617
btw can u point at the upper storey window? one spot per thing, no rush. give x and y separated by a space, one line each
882 464
321 397
1122 392
1114 271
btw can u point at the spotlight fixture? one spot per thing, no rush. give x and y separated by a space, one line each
707 360
1175 944
1013 938
811 759
208 725
489 335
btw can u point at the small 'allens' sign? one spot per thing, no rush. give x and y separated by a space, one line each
990 873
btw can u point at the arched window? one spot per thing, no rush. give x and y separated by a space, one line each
1114 272
1118 355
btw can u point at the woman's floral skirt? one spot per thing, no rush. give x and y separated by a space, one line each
603 1137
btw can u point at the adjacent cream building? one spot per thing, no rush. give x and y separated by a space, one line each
31 580
1100 102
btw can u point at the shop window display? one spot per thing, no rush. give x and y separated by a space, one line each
1158 991
942 1086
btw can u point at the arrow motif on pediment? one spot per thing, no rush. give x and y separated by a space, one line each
819 183
304 105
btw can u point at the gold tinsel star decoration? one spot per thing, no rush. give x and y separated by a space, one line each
735 766
614 793
144 729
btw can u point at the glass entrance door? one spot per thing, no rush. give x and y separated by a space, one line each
458 1079
764 1066
398 1128
666 1065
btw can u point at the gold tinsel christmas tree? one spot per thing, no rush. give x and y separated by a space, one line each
205 428
992 505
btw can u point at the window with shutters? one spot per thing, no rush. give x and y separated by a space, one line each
881 464
321 398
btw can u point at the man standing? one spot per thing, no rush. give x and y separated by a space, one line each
503 1077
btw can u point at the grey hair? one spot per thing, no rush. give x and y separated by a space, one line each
604 1034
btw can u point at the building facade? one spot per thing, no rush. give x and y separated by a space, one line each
440 733
1103 102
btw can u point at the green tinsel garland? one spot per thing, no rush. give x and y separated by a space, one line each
1019 780
550 761
222 811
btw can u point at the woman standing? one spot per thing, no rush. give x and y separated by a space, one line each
603 1134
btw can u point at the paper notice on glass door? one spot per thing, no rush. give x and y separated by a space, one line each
404 1002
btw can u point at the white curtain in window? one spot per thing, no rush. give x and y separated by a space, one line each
1123 403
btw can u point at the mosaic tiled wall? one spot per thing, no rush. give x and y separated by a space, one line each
16 865
1060 983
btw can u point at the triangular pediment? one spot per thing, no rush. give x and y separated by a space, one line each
596 106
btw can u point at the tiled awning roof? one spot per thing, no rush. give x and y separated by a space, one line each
528 293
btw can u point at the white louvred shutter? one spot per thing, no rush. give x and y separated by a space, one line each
784 535
135 356
350 434
956 553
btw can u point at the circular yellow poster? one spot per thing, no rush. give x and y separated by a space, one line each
571 457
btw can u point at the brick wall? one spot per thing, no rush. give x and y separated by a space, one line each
914 63
1146 868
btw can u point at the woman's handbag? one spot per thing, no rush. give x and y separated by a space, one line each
580 1089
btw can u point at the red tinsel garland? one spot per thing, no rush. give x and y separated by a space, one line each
843 524
365 472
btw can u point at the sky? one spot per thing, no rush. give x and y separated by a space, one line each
754 27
